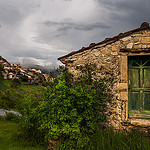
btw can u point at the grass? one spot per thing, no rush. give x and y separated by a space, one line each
18 98
25 88
109 140
105 139
9 139
28 96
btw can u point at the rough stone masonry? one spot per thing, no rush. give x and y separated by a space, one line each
110 58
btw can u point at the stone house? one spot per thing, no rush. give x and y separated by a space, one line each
11 75
126 59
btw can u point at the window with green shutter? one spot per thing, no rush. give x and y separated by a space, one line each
139 86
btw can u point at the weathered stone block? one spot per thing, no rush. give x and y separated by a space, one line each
122 86
137 34
114 48
124 95
144 122
105 51
124 69
130 45
126 38
137 46
144 46
146 33
97 53
136 39
145 40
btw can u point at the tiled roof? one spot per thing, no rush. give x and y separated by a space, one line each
143 26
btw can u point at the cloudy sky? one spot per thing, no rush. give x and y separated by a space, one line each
40 31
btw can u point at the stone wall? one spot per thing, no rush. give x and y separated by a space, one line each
111 61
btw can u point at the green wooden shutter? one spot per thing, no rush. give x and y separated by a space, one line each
139 87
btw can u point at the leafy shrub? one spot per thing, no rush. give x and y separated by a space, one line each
24 78
12 117
15 83
27 103
45 83
6 100
9 98
71 112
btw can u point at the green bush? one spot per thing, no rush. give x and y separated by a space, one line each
6 100
15 83
9 98
27 103
46 83
24 78
71 112
12 117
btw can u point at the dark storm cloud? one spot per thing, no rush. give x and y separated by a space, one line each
37 31
129 12
63 26
137 10
9 14
99 25
68 34
14 11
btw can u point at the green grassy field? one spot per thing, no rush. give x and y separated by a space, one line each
9 139
23 97
20 97
104 140
24 88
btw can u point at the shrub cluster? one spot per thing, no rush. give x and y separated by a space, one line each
71 112
24 78
12 117
8 98
15 83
